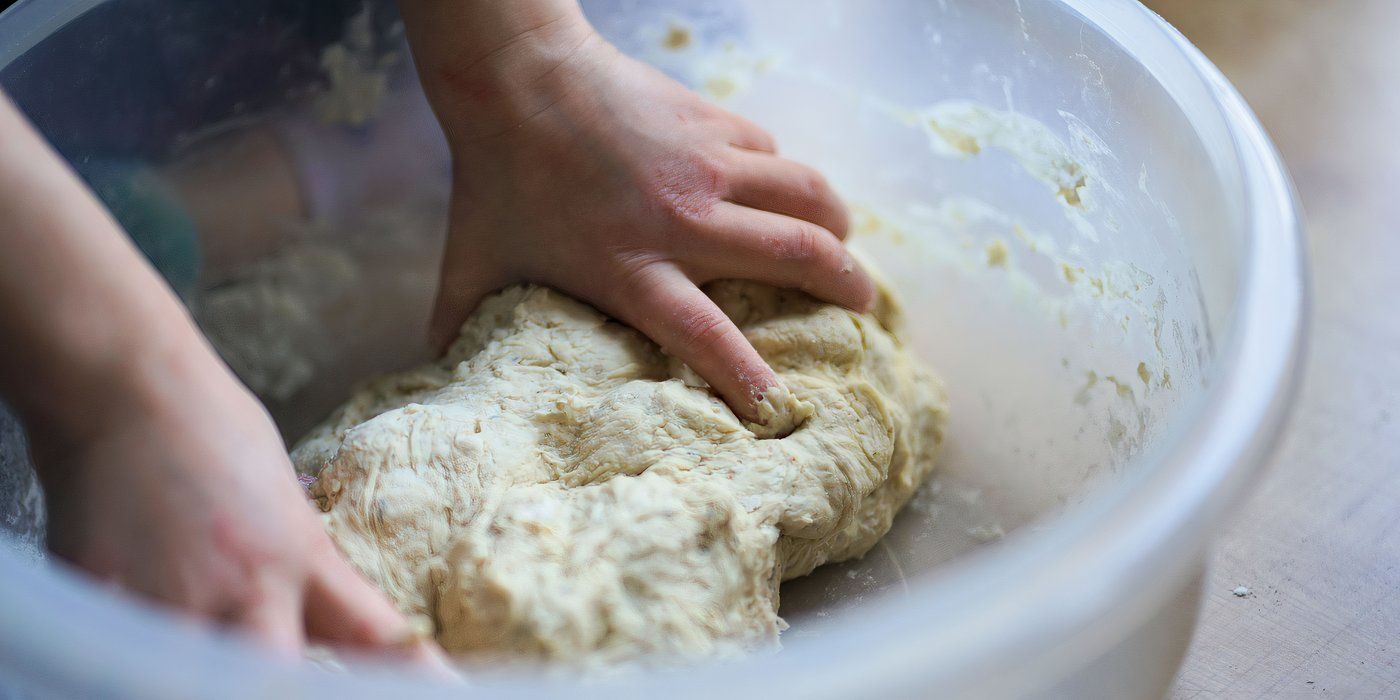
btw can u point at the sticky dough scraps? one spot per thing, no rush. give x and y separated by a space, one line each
557 488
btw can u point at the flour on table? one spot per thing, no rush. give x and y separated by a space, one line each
556 488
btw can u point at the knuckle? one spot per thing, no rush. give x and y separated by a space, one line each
637 274
703 328
367 632
814 255
709 171
688 189
815 185
755 135
762 140
804 245
633 287
240 593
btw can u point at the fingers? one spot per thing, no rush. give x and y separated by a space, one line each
343 609
745 243
466 277
666 306
750 136
763 181
274 619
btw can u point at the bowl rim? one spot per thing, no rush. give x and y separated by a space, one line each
1184 489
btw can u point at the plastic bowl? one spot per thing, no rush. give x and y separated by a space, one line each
1096 243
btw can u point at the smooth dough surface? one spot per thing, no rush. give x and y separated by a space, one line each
557 488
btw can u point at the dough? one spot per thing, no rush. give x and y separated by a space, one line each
557 488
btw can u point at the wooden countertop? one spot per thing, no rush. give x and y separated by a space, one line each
1318 544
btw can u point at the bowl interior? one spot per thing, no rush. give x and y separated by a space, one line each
1055 224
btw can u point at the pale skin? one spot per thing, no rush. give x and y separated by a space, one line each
575 167
163 473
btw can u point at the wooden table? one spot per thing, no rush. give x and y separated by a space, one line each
1318 544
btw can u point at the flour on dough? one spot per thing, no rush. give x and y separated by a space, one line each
557 488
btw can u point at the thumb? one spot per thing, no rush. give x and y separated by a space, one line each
467 275
344 610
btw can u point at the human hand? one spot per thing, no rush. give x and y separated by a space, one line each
582 169
176 486
162 473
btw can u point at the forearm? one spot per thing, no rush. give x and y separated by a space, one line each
486 65
81 312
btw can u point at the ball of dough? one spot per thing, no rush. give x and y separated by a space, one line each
556 488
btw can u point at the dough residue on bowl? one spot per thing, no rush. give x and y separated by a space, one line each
557 488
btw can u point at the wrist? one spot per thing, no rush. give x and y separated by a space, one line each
486 66
144 372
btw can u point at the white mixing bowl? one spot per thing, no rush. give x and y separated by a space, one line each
1096 243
